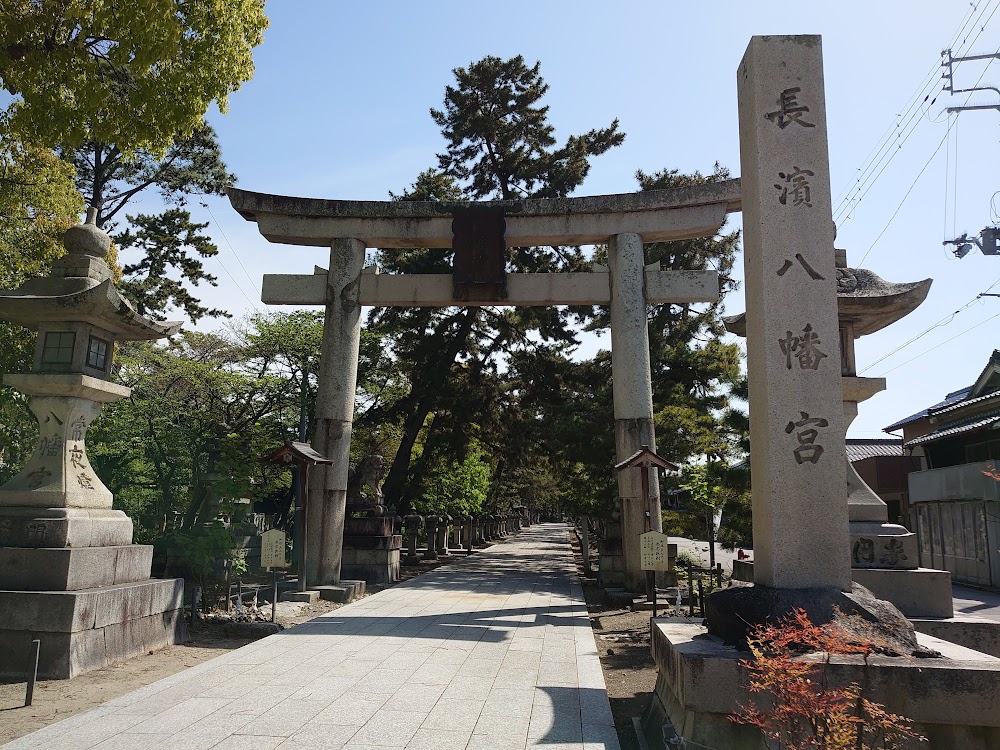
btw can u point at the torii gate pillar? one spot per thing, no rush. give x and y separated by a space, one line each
338 379
633 396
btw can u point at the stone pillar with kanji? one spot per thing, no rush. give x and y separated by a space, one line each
793 348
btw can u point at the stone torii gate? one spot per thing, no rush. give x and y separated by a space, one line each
479 233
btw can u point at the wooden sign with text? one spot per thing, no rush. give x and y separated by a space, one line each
656 552
272 549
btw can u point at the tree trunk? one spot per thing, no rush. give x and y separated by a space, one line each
392 487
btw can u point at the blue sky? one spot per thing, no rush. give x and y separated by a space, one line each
338 108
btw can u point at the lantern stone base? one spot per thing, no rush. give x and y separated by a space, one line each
373 559
883 545
63 527
922 592
951 700
73 568
89 629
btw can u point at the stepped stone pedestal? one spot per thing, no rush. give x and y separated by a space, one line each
371 550
700 684
70 576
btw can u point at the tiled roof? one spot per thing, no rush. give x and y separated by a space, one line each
952 398
858 449
961 404
989 421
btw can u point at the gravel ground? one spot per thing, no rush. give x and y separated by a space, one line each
622 636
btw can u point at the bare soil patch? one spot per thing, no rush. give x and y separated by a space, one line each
622 636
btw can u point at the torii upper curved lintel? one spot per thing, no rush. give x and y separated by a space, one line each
655 215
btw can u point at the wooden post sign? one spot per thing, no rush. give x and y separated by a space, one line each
655 551
272 549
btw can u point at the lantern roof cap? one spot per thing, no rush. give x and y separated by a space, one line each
64 300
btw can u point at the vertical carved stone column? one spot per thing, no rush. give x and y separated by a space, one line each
59 473
334 413
796 411
633 396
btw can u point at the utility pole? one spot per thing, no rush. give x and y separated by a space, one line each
948 62
989 238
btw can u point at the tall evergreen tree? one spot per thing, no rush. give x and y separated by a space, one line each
171 245
500 146
500 143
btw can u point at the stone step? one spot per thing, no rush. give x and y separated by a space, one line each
309 597
345 591
73 568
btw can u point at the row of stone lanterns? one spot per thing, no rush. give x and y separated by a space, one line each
468 532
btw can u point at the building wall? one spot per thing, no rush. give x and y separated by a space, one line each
956 513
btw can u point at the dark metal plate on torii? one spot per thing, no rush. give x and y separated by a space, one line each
479 270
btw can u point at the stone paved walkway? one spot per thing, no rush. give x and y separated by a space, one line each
489 653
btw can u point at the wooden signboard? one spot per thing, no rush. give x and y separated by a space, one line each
272 549
655 551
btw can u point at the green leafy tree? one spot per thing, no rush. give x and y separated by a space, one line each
136 77
191 432
122 92
204 408
456 488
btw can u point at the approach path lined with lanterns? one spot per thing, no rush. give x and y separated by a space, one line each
488 653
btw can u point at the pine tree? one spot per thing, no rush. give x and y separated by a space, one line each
171 243
499 139
500 146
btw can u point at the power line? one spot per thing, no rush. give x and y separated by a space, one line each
947 341
907 195
222 231
871 172
253 304
952 124
928 80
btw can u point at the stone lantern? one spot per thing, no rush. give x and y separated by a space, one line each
63 549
